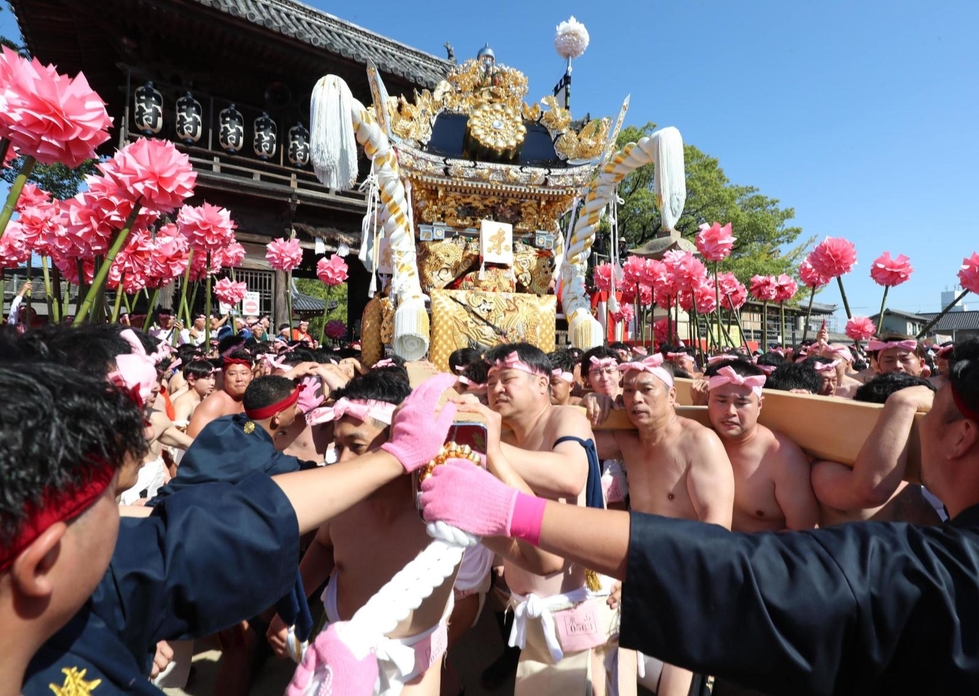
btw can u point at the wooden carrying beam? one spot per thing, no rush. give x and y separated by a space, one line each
826 428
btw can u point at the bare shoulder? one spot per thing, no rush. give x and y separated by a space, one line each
568 420
785 446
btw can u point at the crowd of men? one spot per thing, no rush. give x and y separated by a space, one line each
159 490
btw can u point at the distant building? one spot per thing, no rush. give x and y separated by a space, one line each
956 325
948 296
906 323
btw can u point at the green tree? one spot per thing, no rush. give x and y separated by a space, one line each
338 293
766 243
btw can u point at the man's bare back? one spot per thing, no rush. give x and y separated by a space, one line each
218 404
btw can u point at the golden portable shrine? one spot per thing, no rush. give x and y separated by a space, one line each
468 187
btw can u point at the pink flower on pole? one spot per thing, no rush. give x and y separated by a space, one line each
169 257
50 116
11 155
14 247
687 268
969 273
335 329
764 288
661 330
624 315
30 196
132 262
207 227
715 242
42 226
890 272
284 254
68 267
153 173
833 257
633 271
810 276
860 329
705 295
733 292
785 288
332 271
602 276
230 292
230 256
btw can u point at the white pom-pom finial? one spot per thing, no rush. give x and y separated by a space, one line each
571 39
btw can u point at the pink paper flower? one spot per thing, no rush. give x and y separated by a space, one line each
969 273
715 242
230 256
810 276
625 313
705 295
12 154
153 173
14 247
733 292
207 227
633 271
335 329
42 228
30 196
132 262
785 288
833 257
230 292
661 331
332 271
602 276
764 288
68 267
50 116
169 258
860 329
687 268
284 254
890 272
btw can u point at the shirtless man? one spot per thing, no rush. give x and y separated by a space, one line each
547 450
600 371
236 371
361 549
873 489
846 385
200 378
771 473
676 467
828 372
562 378
897 354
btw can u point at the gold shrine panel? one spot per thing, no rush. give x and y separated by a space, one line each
481 320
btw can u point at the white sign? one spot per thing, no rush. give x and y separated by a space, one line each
252 304
224 309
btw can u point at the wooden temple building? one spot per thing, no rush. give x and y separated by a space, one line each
229 82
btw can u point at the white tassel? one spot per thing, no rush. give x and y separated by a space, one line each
332 146
669 181
411 329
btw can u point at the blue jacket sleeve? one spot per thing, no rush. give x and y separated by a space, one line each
208 557
849 609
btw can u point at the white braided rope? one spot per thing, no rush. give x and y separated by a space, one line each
414 583
584 330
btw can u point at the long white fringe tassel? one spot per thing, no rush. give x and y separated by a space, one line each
332 146
669 181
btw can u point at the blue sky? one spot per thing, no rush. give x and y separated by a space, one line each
860 115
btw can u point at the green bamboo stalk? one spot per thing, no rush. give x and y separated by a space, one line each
846 304
805 327
764 327
781 325
207 301
118 303
941 314
880 317
14 195
149 309
98 282
52 313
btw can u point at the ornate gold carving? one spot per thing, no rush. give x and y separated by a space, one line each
465 209
498 128
556 119
440 263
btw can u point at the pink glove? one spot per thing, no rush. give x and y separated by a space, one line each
332 668
416 435
475 501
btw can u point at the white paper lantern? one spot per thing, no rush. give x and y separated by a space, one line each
571 39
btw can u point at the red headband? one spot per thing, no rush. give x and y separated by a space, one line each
228 362
56 506
961 405
278 407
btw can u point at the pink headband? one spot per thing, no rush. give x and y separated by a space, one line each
640 350
727 375
874 345
130 337
653 364
274 361
677 356
944 352
826 367
561 374
841 351
602 363
361 410
767 369
135 373
386 362
471 386
512 362
460 369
